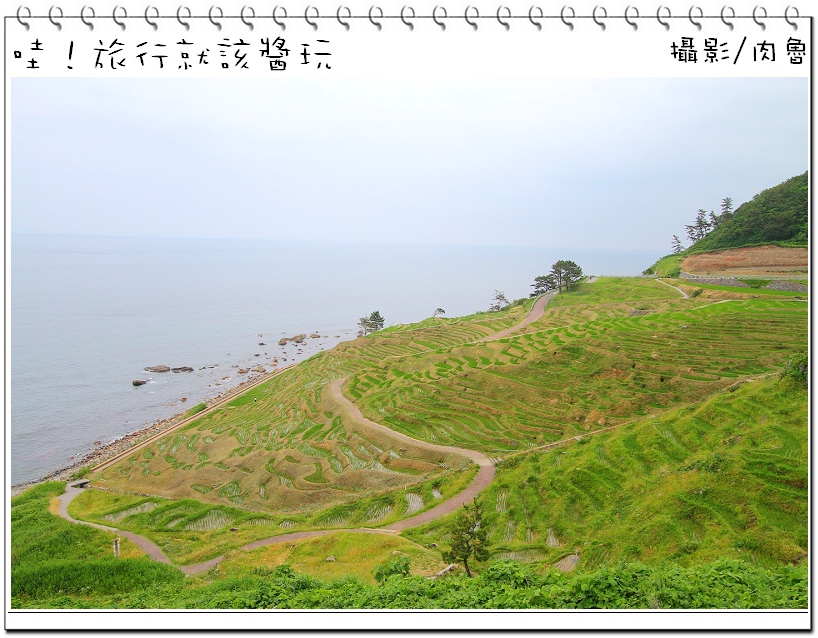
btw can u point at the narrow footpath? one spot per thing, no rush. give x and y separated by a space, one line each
535 313
683 293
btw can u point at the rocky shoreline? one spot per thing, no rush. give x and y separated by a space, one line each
123 443
127 441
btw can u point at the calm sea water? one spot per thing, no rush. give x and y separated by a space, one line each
88 314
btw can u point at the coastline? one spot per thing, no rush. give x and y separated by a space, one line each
130 440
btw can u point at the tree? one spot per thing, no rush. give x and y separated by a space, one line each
565 273
376 321
702 225
676 244
439 311
500 301
364 326
699 228
543 284
572 273
715 220
726 209
370 324
469 537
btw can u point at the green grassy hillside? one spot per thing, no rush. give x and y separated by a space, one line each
726 478
661 458
777 215
610 352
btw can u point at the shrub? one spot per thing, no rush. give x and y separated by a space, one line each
796 370
399 567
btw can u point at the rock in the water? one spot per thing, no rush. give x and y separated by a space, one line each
315 335
259 369
283 341
158 369
183 369
243 370
261 343
138 382
183 399
299 338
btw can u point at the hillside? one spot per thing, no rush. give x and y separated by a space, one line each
777 215
617 424
726 478
612 352
775 223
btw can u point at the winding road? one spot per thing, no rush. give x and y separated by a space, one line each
535 313
482 479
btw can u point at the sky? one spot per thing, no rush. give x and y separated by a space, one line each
608 163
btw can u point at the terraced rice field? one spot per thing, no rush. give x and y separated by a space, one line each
563 381
611 352
724 478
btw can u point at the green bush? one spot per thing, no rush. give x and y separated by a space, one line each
399 567
796 370
99 576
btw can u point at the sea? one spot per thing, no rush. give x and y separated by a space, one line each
88 314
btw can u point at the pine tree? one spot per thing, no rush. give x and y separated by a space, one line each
499 303
702 225
676 244
566 273
364 326
572 274
370 324
726 208
543 284
376 321
469 537
698 229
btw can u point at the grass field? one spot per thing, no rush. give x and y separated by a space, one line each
335 572
724 478
749 292
698 467
613 351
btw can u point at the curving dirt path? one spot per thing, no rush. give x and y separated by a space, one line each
535 313
683 293
149 547
483 478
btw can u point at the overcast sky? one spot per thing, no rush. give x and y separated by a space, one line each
593 163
